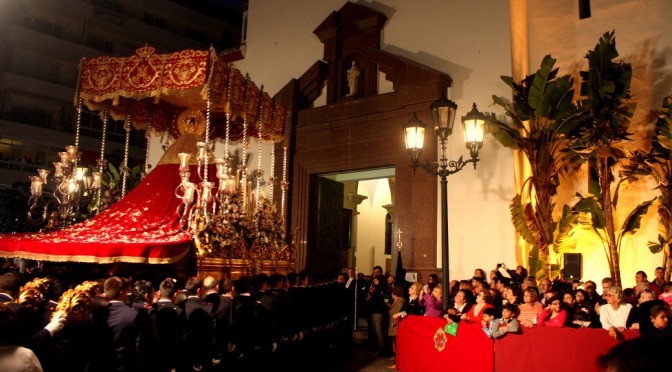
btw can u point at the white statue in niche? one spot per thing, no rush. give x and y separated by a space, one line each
353 79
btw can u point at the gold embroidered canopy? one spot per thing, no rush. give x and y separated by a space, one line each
161 89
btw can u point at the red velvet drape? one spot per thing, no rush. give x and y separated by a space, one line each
140 228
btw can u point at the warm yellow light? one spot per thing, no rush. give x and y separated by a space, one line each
36 185
415 137
80 173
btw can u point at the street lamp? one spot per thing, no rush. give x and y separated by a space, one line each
443 114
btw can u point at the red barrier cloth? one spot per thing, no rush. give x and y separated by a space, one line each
140 228
551 349
420 339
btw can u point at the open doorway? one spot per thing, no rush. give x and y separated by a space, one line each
353 218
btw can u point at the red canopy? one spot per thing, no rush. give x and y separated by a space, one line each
140 228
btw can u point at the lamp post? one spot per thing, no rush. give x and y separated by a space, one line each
443 115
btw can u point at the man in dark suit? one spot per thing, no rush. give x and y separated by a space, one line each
223 319
116 331
211 293
167 331
199 326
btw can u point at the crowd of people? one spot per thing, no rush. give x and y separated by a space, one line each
123 324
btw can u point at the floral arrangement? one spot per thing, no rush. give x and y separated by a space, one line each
235 233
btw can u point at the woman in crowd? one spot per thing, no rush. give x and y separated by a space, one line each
554 314
475 314
480 274
413 307
462 304
512 295
614 314
432 301
530 309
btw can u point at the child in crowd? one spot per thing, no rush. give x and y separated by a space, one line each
486 321
507 323
661 321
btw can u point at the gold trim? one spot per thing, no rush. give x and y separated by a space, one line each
91 259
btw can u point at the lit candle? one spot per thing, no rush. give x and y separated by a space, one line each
72 186
201 151
43 173
221 168
59 169
80 173
65 157
36 185
206 192
96 180
184 161
189 189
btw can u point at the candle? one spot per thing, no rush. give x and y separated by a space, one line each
206 192
59 169
43 173
96 180
80 173
184 161
65 157
72 186
36 185
221 168
188 196
201 151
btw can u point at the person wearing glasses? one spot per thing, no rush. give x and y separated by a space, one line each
614 314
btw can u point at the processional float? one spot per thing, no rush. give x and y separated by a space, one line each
216 206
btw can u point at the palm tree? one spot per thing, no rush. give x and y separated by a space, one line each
657 163
605 91
541 114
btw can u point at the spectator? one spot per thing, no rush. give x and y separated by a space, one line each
544 287
521 273
639 317
660 319
480 274
614 314
639 354
530 309
432 301
486 321
432 281
462 305
641 277
583 311
475 314
507 323
553 315
413 307
659 280
376 304
528 282
398 305
667 293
